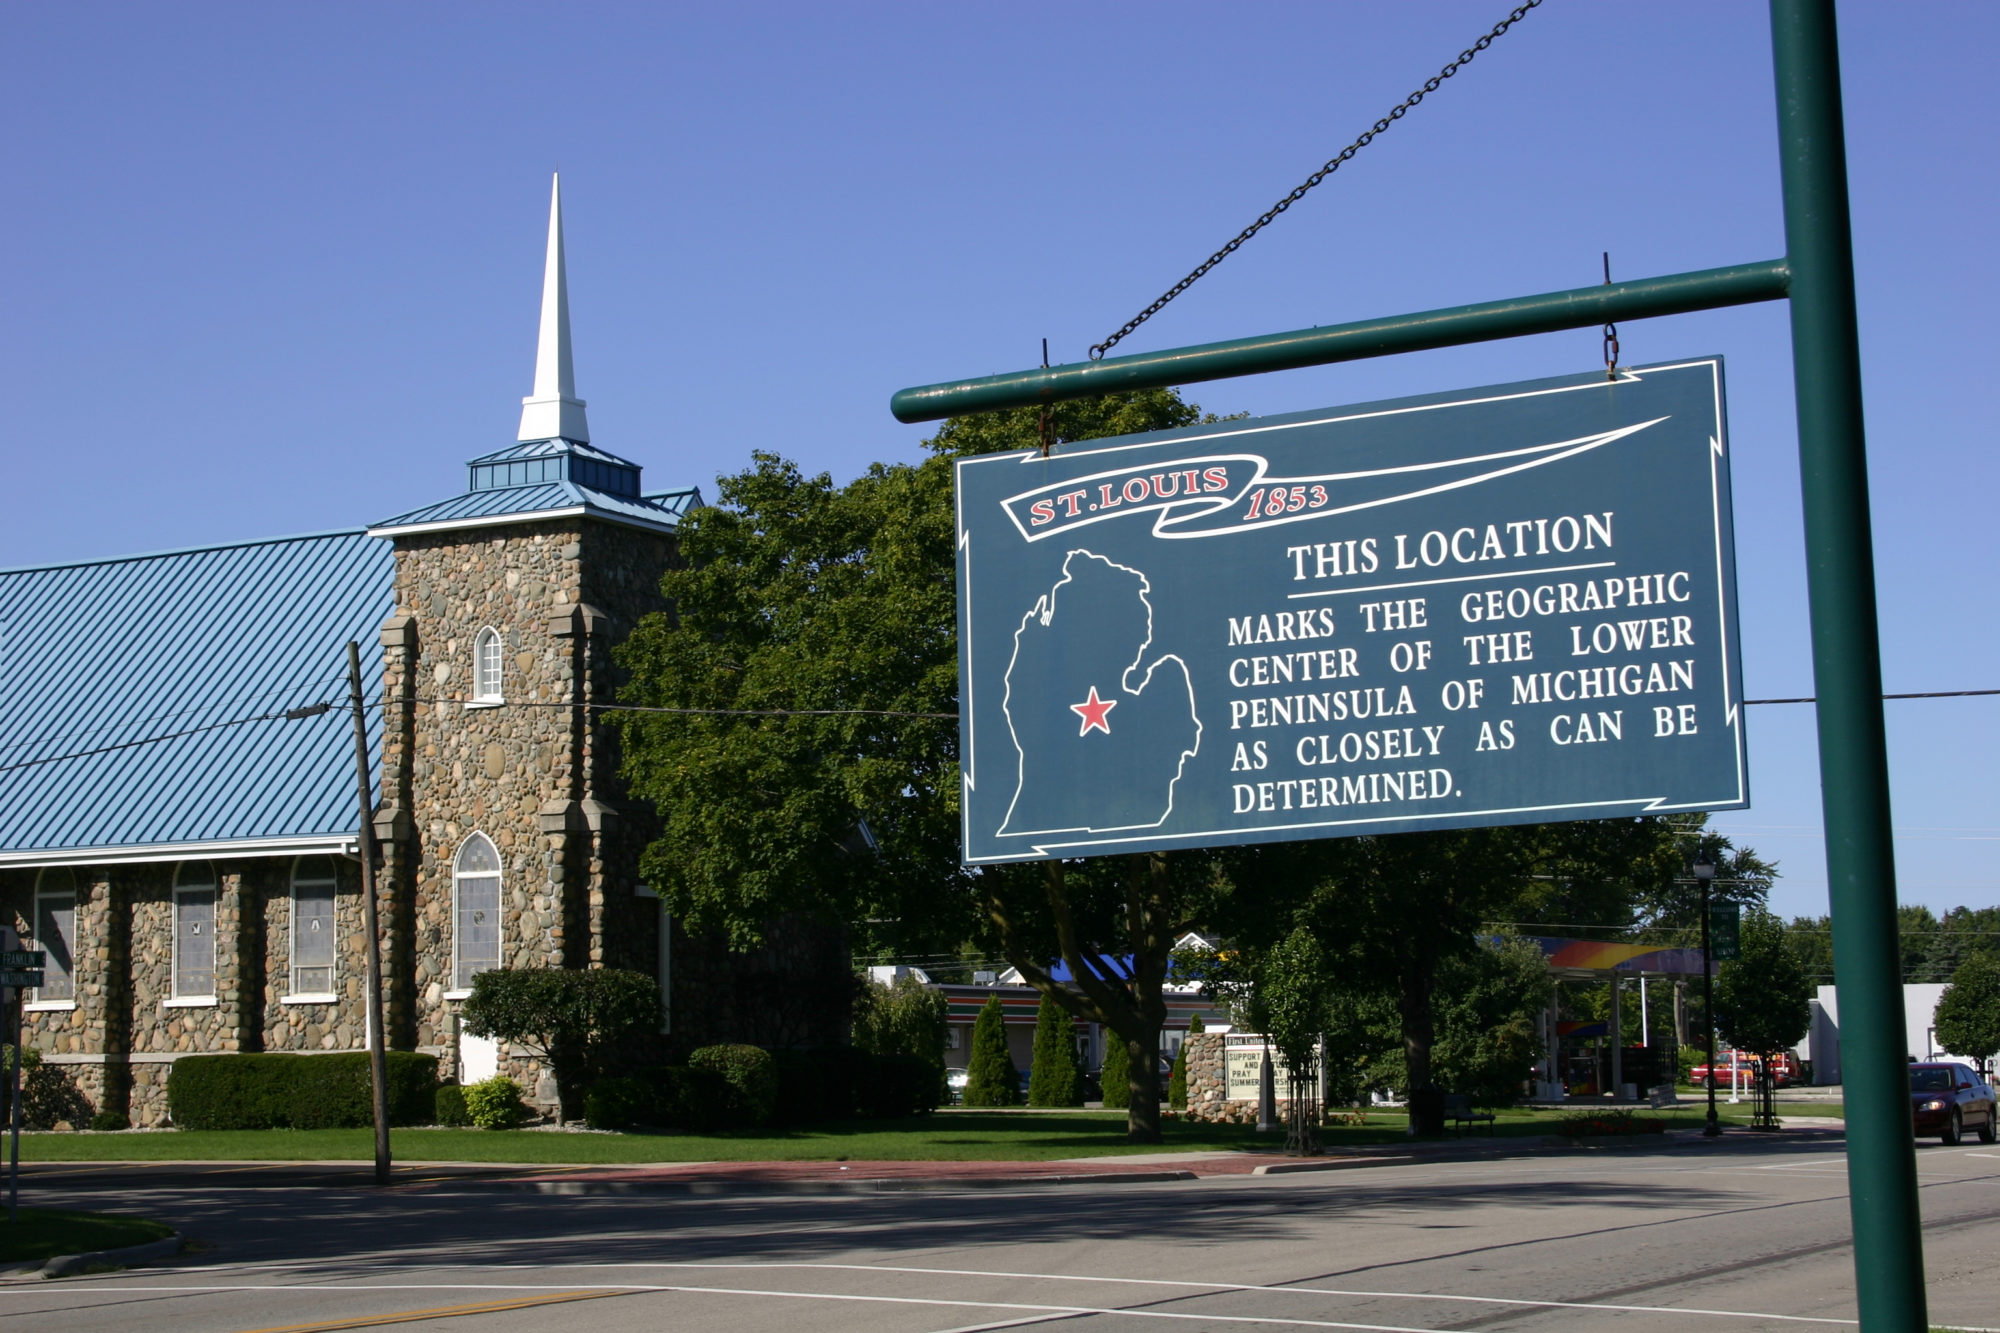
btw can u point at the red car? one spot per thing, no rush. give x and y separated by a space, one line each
1784 1071
1946 1098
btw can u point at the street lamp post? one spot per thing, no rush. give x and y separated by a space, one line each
1704 872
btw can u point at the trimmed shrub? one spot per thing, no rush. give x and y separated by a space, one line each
495 1103
450 1105
1116 1075
686 1097
901 1085
752 1076
821 1083
287 1091
991 1079
1053 1078
618 1103
49 1096
109 1120
908 1018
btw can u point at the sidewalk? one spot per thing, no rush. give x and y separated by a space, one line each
823 1177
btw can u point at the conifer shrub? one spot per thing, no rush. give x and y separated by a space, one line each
1116 1075
1177 1077
752 1078
991 1079
495 1103
1053 1079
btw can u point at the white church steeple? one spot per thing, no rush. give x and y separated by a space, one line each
554 409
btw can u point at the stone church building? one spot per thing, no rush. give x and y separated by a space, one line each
201 893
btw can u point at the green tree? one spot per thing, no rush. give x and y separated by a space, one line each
1968 1013
1761 999
1487 1002
1293 990
1114 1077
1053 1077
991 1079
575 1020
906 1018
800 595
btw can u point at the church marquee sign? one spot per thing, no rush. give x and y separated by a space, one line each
1507 605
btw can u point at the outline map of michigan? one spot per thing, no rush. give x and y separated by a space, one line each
1102 739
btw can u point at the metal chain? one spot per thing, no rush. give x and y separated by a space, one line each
1610 331
1464 57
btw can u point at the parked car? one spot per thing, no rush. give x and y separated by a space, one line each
1946 1099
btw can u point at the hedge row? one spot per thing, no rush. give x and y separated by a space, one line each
723 1087
282 1091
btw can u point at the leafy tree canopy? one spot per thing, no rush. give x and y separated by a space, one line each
1968 1013
577 1020
1761 999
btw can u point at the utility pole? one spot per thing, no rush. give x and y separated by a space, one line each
1704 872
378 1058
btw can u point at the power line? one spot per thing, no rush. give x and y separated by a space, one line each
311 710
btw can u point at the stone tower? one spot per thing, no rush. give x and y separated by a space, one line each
506 842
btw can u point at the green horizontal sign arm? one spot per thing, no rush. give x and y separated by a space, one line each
1550 312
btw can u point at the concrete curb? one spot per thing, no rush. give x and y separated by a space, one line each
942 1184
1331 1164
132 1256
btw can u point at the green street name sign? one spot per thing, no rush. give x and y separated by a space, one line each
23 958
1506 605
11 978
1725 931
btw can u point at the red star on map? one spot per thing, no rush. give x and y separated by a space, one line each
1093 711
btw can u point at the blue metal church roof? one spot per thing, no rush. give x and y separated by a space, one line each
106 653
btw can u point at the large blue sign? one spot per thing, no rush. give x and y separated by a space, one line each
1508 605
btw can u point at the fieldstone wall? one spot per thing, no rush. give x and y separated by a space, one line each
336 1025
1207 1093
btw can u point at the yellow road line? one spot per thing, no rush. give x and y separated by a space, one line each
436 1312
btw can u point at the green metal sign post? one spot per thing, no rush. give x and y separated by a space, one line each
1847 670
1817 275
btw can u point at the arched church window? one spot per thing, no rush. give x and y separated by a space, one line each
194 931
486 667
475 914
312 926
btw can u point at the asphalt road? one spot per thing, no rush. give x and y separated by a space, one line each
1740 1235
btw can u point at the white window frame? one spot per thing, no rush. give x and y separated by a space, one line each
329 994
488 687
213 887
499 923
41 1002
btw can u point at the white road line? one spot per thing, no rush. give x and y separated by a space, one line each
1218 1287
1038 1311
1207 1288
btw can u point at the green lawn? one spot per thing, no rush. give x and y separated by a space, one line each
43 1234
958 1136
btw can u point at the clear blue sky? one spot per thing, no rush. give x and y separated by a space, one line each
274 268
